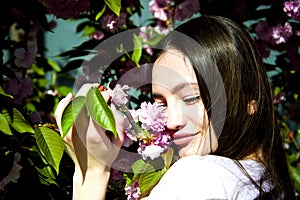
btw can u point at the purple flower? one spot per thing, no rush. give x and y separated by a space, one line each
112 23
162 139
130 135
262 31
19 88
98 35
152 116
162 28
118 94
186 9
159 9
133 191
25 58
35 117
292 9
275 34
280 34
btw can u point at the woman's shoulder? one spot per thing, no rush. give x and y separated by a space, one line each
209 176
216 162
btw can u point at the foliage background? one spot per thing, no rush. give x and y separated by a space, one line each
33 163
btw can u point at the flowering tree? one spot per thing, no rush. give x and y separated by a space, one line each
31 84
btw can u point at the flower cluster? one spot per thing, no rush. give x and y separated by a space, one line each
112 23
292 9
167 11
145 125
20 88
273 34
25 58
154 139
133 191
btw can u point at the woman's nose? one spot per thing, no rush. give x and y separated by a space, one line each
175 119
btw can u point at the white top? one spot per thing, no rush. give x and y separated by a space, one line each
208 177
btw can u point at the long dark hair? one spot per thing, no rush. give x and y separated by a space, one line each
227 45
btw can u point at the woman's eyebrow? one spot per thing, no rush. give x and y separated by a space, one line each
177 89
181 86
157 96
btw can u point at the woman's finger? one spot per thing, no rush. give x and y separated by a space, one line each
120 120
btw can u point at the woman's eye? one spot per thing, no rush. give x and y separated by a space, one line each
192 100
163 104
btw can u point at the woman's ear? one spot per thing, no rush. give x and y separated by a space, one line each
252 107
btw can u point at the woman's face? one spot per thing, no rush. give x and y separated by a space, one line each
175 86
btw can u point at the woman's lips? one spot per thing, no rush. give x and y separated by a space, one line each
183 138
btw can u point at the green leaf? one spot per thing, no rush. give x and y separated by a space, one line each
168 157
101 12
51 145
38 70
71 113
149 179
100 111
295 176
114 5
4 126
88 30
64 90
3 93
54 65
137 168
17 121
137 53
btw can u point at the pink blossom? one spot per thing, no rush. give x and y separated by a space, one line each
118 94
98 35
146 33
186 9
154 145
151 151
162 28
152 116
280 34
25 58
112 23
292 9
133 191
159 9
162 139
275 34
130 135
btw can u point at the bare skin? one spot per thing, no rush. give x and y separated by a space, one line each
186 112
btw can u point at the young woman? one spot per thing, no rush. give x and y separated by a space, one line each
213 83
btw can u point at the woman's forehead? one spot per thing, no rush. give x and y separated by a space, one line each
173 67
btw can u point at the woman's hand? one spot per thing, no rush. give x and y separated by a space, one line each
91 148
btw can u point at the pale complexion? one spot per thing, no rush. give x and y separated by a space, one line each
175 86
